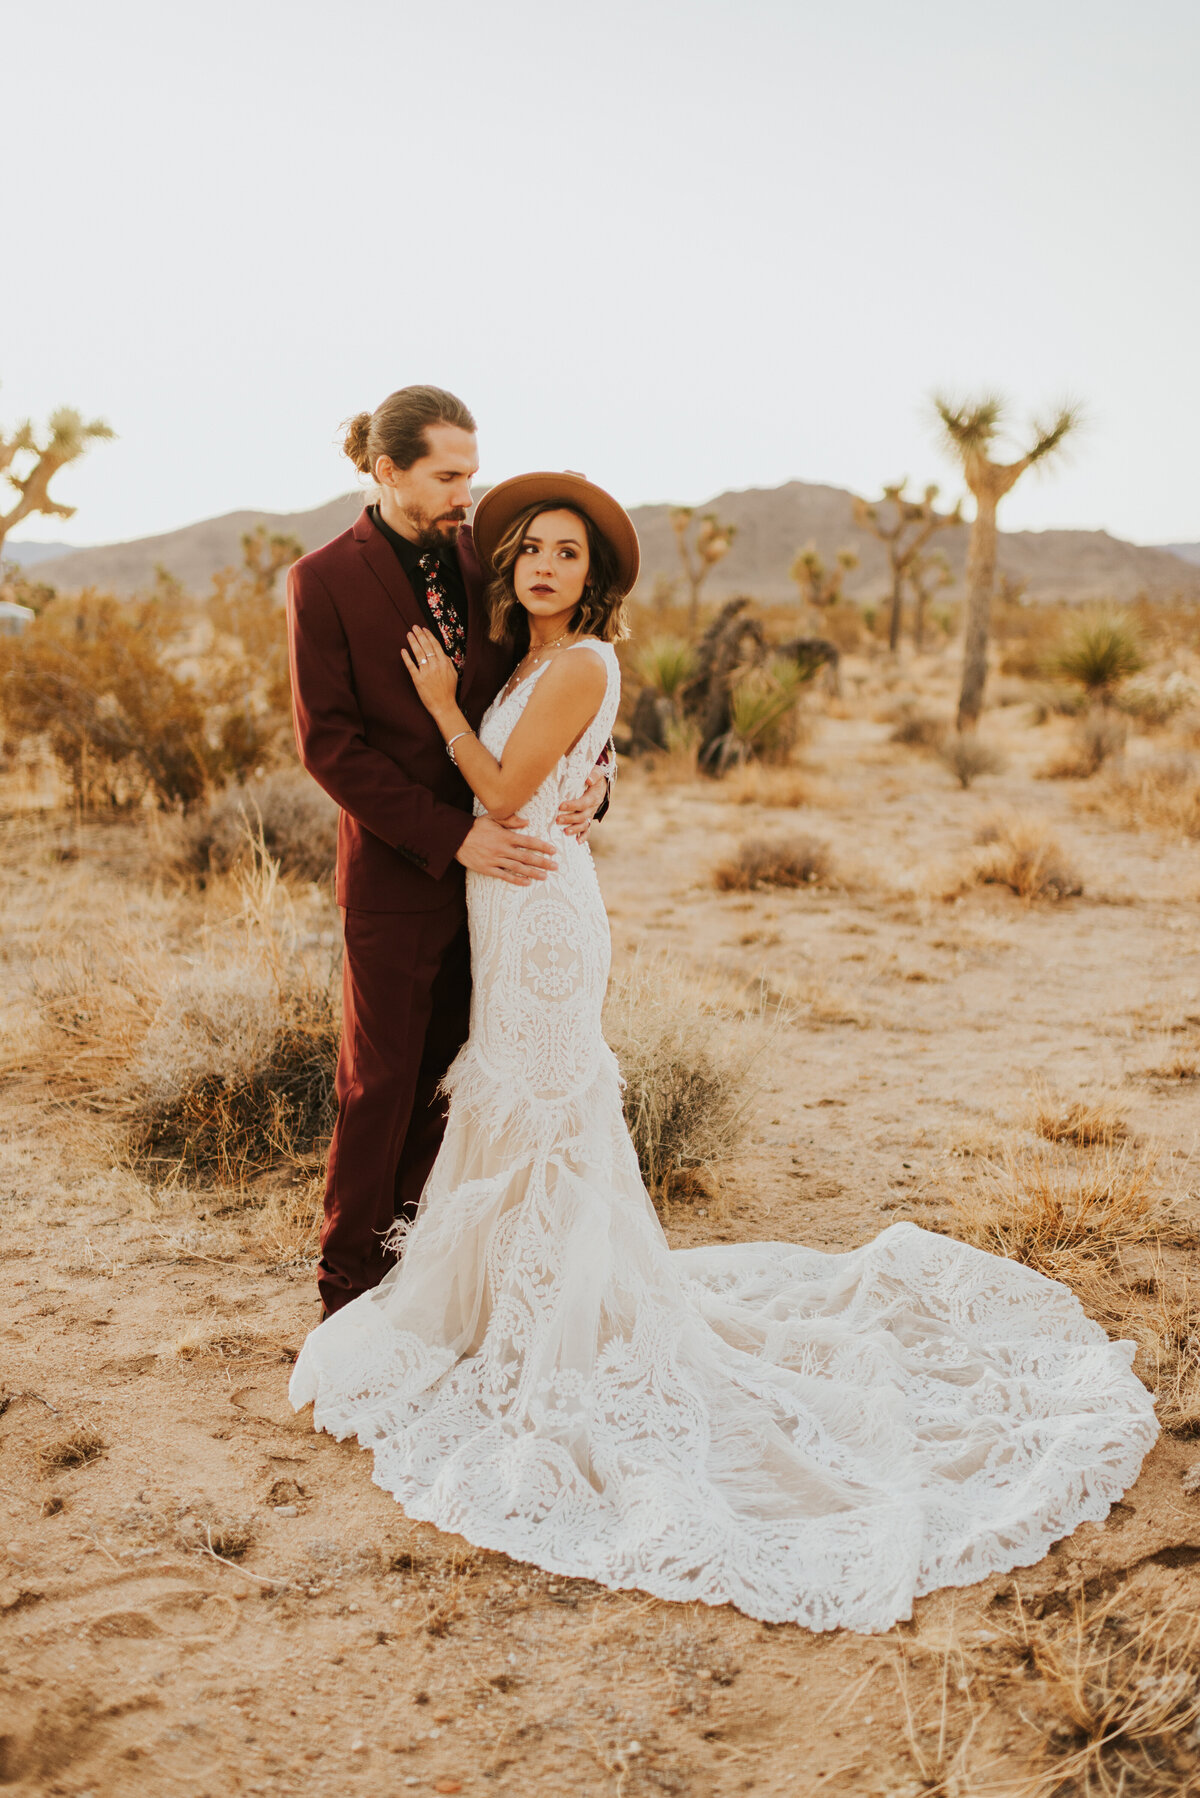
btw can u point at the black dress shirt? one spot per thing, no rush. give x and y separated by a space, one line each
410 557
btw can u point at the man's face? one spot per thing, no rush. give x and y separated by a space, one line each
432 497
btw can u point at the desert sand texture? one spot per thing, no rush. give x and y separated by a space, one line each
200 1597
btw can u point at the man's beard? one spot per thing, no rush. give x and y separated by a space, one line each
434 533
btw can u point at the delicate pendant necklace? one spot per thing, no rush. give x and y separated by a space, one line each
531 661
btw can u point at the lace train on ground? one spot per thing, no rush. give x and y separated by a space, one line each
811 1437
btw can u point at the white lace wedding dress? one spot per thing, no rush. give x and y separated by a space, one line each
807 1436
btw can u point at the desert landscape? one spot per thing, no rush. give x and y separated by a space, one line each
867 972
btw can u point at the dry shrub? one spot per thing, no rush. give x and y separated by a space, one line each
286 811
1054 701
967 757
1160 795
752 784
918 730
1086 1126
1067 1222
687 1061
1154 703
789 862
1021 854
1099 739
1167 1333
1124 1696
235 1073
75 1449
675 763
92 679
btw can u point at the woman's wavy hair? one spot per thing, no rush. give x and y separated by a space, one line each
601 611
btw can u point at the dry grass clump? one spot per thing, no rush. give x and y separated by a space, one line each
75 1449
1057 1218
688 1065
1099 739
96 999
1124 1697
788 862
287 1230
967 757
1168 1338
753 784
1019 853
1086 1126
286 811
235 1073
916 729
236 1070
1180 1067
1160 795
214 1342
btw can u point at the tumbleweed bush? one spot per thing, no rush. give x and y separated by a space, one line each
765 862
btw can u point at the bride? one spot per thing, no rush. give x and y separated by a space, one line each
810 1437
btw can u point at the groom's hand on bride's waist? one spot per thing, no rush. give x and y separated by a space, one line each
501 851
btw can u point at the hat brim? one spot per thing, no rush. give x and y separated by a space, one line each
504 502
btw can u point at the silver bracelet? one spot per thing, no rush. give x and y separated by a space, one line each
453 741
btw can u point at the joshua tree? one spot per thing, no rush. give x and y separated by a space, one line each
912 523
713 540
926 575
66 441
264 554
821 587
733 646
970 431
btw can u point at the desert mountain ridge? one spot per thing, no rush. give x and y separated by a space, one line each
772 524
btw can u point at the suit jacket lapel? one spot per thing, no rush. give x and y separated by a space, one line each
384 564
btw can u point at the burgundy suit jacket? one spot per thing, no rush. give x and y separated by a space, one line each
362 732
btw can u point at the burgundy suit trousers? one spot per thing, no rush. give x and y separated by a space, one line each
406 995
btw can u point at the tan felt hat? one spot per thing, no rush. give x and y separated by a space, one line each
504 502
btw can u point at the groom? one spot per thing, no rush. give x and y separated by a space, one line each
406 831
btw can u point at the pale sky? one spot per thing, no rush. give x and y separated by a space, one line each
681 247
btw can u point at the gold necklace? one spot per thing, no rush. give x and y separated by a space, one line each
532 658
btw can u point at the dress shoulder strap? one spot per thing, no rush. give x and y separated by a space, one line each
605 651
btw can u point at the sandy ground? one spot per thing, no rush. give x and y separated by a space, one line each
145 1648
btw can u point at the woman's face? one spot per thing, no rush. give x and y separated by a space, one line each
551 568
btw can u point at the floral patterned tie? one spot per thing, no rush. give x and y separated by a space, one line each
443 613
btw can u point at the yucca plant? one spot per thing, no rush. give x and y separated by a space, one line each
1100 650
762 706
666 664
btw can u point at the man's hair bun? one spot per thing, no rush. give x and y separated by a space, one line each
356 445
398 427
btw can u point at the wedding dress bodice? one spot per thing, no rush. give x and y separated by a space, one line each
811 1437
